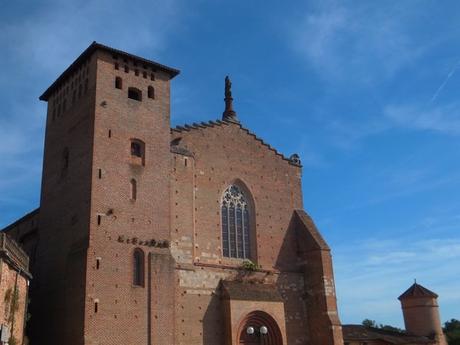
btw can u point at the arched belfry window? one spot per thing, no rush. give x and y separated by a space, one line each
138 267
235 223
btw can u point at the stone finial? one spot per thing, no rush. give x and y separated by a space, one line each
229 114
295 159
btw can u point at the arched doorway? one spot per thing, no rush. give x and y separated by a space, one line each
256 320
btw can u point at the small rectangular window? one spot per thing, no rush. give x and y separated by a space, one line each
136 149
135 94
99 220
118 83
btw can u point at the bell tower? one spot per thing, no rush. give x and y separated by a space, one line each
104 209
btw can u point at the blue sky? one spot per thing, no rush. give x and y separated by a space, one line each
365 91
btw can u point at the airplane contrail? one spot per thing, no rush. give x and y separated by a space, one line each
451 73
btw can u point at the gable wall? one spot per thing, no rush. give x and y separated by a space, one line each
222 155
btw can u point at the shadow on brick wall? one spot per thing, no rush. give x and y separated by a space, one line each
213 323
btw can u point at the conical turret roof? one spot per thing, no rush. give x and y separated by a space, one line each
417 290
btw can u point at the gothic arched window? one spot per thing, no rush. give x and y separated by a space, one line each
138 267
235 223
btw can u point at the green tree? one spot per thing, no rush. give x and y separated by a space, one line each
373 324
369 323
452 331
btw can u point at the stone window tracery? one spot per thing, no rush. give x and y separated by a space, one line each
235 223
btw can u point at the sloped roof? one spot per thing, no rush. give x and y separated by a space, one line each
21 220
362 333
89 51
211 124
417 290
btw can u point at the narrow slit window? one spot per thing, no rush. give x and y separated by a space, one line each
151 92
133 184
65 161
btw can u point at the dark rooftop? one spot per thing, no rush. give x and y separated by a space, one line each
89 51
363 333
417 290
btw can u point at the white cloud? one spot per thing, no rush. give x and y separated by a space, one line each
359 42
38 45
371 274
60 30
443 119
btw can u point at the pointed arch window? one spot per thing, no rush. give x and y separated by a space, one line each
235 223
138 267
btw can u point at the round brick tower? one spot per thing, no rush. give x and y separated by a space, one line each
421 313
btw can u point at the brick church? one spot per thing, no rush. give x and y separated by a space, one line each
152 235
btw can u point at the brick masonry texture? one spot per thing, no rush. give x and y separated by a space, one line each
89 223
13 278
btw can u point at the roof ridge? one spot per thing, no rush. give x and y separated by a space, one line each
213 123
19 220
417 290
88 52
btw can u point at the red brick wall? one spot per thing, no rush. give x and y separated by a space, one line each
9 278
58 290
89 226
226 154
421 317
123 309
